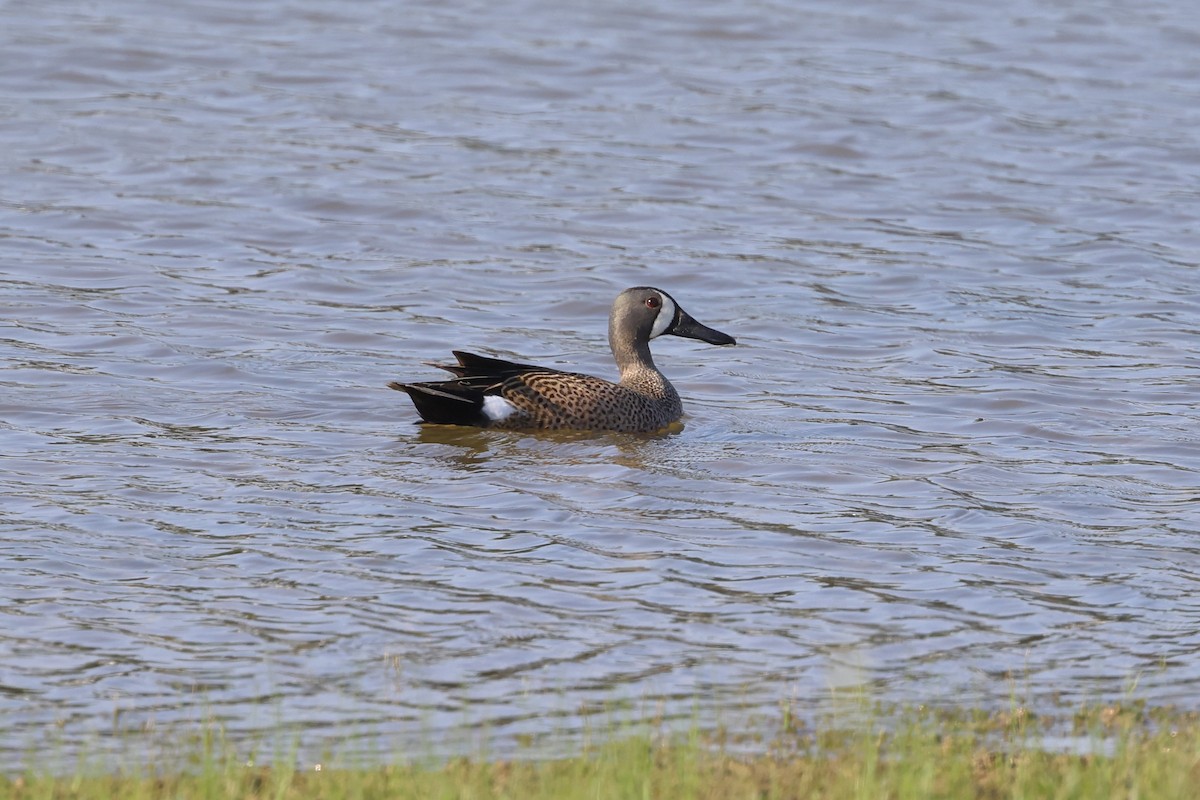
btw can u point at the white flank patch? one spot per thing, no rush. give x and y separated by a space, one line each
497 408
666 315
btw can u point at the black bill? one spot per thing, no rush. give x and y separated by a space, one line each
684 325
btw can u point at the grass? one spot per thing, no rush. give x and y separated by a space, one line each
893 754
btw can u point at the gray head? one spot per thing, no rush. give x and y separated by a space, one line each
642 313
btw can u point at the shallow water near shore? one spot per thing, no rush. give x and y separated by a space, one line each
955 454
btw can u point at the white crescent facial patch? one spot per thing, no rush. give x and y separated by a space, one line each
666 315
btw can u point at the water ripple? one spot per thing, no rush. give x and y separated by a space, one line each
954 452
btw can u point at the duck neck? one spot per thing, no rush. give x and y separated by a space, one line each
633 357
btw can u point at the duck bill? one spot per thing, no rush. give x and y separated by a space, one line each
684 325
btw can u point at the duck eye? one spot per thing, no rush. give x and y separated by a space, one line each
653 302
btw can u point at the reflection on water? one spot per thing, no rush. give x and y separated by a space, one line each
955 449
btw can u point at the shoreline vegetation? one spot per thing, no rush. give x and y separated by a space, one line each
1127 750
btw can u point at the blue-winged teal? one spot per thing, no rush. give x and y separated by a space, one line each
493 393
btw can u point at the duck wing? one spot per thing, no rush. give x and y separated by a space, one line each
468 399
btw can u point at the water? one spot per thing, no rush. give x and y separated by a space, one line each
955 454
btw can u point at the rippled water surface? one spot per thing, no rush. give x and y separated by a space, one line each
955 452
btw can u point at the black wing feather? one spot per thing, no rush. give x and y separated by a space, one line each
460 401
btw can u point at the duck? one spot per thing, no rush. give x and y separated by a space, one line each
494 393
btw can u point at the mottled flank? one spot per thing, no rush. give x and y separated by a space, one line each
642 401
547 398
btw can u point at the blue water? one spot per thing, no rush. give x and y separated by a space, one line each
955 455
